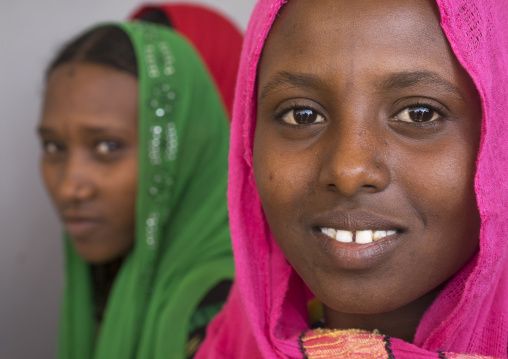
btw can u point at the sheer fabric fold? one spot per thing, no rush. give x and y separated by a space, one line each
266 312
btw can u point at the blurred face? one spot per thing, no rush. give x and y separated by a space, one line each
364 152
88 132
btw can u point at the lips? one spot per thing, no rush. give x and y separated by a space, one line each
357 239
359 225
79 225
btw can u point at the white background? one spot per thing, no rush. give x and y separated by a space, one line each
31 264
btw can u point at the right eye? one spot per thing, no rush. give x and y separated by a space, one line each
302 116
52 147
107 147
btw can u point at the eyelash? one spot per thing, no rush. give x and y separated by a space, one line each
295 107
59 147
439 110
117 144
419 103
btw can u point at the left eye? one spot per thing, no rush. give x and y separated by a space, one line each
419 114
106 147
303 116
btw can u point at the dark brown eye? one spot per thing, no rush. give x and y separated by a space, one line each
107 147
52 147
305 116
418 115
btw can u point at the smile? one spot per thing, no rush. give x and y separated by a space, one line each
80 227
360 237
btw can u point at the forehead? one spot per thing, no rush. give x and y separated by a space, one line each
91 92
329 35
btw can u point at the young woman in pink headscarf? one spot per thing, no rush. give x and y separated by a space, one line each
368 169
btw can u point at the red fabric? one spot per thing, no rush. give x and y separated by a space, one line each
217 39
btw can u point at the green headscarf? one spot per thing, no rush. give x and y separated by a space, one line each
183 246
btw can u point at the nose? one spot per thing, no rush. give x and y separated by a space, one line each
75 183
353 161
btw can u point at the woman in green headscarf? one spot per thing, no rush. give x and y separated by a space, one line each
134 158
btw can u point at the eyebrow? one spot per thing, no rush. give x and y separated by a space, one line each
286 79
93 130
96 130
406 79
41 130
394 81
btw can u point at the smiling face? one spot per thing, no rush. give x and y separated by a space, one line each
364 153
89 135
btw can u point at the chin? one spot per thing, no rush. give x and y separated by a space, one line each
366 307
96 256
94 251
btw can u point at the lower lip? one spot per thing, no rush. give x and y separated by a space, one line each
354 256
80 228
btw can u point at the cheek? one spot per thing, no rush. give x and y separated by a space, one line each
439 184
50 179
129 192
441 178
121 190
285 183
281 180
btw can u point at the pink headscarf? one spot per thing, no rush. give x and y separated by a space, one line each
267 311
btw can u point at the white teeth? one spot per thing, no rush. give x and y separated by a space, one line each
360 237
330 232
379 234
344 236
363 237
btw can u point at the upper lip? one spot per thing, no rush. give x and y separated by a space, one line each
78 216
357 221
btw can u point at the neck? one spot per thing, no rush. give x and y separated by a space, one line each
399 323
103 277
